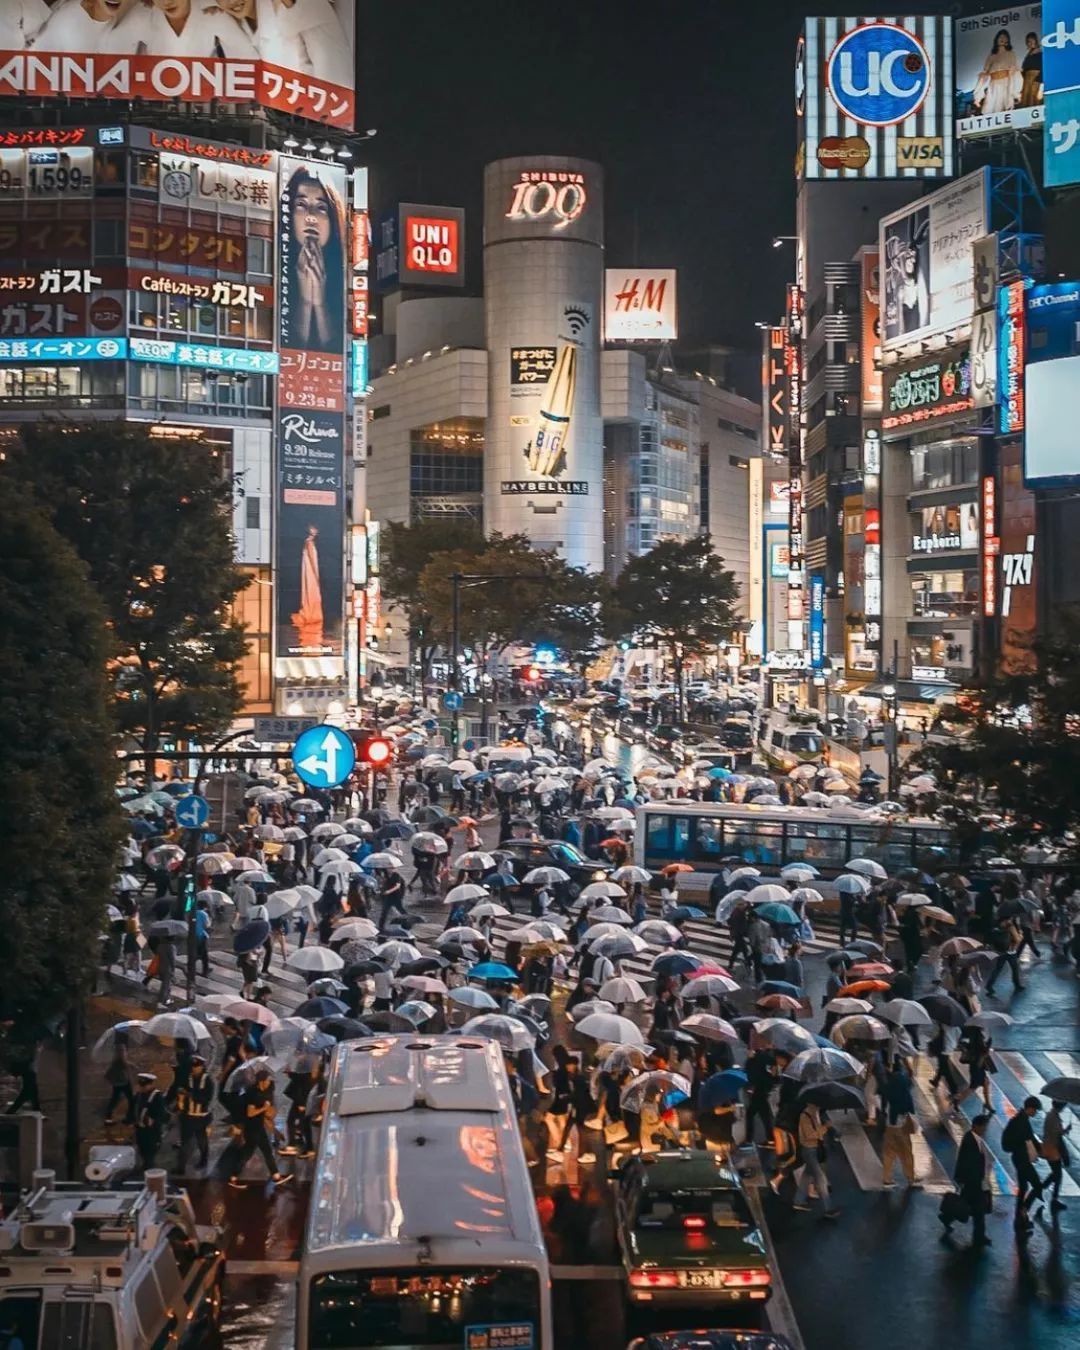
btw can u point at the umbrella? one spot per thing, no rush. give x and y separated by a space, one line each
429 843
673 869
168 928
669 1086
610 914
945 1010
342 1028
911 900
320 959
611 1028
769 893
321 1006
214 899
960 946
626 1057
463 936
546 876
476 861
342 867
282 903
465 894
238 864
823 1064
863 947
844 1007
804 771
622 989
799 871
778 1033
244 1074
215 864
493 970
851 883
779 1003
382 861
860 1027
326 830
511 1034
273 832
871 970
326 985
488 909
253 934
294 1035
680 913
164 855
588 1006
989 1020
706 1027
709 986
170 1027
982 960
736 872
905 1012
245 1010
721 1089
859 987
105 1046
359 930
806 895
397 952
1062 1090
867 867
833 1097
395 829
676 963
781 915
603 890
539 930
347 841
631 875
424 966
937 914
617 946
416 1011
469 997
423 984
657 933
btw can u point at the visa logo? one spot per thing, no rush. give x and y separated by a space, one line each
920 152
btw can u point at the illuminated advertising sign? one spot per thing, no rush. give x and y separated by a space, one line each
1017 530
999 69
310 519
954 526
543 197
170 353
543 390
185 245
793 365
928 281
779 562
873 98
817 621
1052 415
991 544
44 174
931 391
870 349
296 58
360 377
1061 45
432 245
640 305
775 393
222 294
779 495
1012 351
359 249
63 349
215 185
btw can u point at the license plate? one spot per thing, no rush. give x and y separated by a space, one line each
699 1279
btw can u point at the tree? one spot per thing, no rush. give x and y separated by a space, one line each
679 596
1017 751
406 551
62 824
151 518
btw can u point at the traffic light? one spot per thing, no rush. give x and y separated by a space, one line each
188 893
376 752
532 674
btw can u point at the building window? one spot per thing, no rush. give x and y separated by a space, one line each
944 595
95 385
945 464
447 458
254 608
203 392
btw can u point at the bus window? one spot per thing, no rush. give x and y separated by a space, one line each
889 845
658 836
934 849
708 840
680 836
821 844
756 841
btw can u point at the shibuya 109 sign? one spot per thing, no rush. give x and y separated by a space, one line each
548 197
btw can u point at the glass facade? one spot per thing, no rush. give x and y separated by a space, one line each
254 608
446 469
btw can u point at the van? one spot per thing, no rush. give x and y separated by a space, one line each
786 744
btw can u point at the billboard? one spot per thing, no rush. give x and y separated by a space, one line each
640 305
294 57
999 68
941 528
927 277
931 391
1061 145
420 245
774 390
874 98
1051 449
870 347
543 394
1061 45
1012 357
309 538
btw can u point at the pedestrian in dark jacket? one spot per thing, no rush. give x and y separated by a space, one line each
974 1165
1018 1138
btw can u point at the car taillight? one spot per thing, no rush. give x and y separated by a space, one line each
654 1279
747 1277
693 1221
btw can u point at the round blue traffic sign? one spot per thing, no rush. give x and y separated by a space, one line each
323 756
452 700
878 74
192 812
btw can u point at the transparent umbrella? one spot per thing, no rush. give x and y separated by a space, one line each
823 1065
320 959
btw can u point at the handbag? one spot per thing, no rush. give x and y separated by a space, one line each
954 1208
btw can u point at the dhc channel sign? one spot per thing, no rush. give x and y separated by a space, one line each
879 75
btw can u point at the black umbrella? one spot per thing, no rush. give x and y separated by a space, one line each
453 950
428 815
421 967
361 968
833 1097
253 934
744 1026
377 816
676 1037
343 1028
743 883
388 1021
322 1006
945 1010
162 909
395 829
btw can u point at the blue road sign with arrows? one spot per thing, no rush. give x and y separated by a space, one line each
452 700
192 812
323 756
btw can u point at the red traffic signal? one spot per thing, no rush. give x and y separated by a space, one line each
532 674
375 751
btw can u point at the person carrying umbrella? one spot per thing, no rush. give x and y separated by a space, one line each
194 1104
298 1127
392 895
258 1112
761 1077
1005 940
975 1052
1056 1153
812 1132
655 1126
118 1077
974 1168
149 1114
899 1126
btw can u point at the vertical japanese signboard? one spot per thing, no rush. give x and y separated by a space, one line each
774 393
793 365
310 533
1011 354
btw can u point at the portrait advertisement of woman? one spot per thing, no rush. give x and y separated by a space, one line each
308 619
1031 95
906 274
999 84
315 220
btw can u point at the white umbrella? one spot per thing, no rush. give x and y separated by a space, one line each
323 857
464 936
170 1027
631 875
769 894
611 1029
382 861
912 900
661 1081
245 1010
360 930
346 841
164 855
622 989
215 899
709 986
540 930
238 864
325 830
272 832
511 1034
610 914
612 813
436 760
799 872
806 895
742 872
424 984
851 883
545 876
295 833
904 1012
308 894
462 766
397 953
320 959
216 864
489 909
845 1007
416 1011
603 890
600 930
126 882
617 946
868 867
282 903
465 894
823 1064
589 1006
475 861
989 1020
357 825
860 1027
468 996
426 841
292 1034
658 933
105 1045
709 1028
804 771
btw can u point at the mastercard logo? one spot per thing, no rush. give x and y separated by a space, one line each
843 152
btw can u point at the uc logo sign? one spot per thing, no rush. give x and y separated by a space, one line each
878 74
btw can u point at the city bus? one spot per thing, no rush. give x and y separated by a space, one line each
422 1229
705 834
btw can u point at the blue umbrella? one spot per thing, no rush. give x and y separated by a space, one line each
177 789
397 829
492 970
251 936
721 1089
323 1006
681 912
780 987
476 777
719 772
675 963
416 752
626 803
783 915
498 880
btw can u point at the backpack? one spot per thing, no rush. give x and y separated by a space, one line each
1014 1136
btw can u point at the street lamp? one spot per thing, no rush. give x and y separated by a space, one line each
890 694
780 239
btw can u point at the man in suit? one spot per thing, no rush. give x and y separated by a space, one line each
972 1175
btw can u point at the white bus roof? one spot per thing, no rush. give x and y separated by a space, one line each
420 1144
842 815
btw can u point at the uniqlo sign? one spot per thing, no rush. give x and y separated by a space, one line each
431 245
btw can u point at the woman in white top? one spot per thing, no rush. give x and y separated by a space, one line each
183 28
313 41
20 20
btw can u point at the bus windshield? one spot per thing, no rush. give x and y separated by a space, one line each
433 1309
806 743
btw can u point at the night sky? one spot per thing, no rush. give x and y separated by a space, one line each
689 108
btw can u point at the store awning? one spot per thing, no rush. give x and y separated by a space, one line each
911 691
